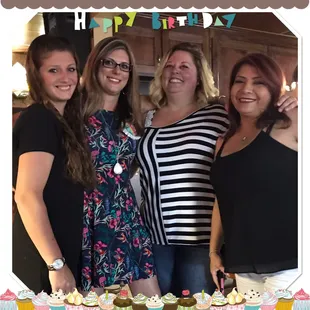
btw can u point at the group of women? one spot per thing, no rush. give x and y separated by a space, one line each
76 147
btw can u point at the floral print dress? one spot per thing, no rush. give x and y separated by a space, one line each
116 246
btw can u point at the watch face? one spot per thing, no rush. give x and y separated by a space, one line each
58 264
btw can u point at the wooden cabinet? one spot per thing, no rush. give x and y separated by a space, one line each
228 46
150 45
146 47
287 58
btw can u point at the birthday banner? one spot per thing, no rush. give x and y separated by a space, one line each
188 19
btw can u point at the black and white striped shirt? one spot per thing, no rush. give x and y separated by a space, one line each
175 162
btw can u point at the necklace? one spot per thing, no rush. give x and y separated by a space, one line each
117 169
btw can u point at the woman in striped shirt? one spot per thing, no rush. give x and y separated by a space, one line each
175 155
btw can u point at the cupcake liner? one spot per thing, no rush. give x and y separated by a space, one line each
159 308
218 307
122 308
268 307
46 307
285 305
235 307
8 305
254 307
300 305
139 306
61 307
73 307
25 305
171 306
91 307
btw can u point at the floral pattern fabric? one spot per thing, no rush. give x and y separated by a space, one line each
116 246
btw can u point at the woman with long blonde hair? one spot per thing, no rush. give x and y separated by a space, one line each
116 246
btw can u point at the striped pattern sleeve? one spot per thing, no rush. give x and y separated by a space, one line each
175 164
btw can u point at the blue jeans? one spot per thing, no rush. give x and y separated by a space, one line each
183 268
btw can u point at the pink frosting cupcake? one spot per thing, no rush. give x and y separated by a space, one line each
270 301
302 300
40 301
7 301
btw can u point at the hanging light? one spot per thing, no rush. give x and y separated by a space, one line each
20 87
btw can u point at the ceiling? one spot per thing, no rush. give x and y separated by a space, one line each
266 22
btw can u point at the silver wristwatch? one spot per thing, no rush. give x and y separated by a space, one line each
57 264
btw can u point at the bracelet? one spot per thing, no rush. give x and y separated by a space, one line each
211 252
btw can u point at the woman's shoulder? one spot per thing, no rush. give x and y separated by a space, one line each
35 111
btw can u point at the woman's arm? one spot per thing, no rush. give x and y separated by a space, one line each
216 243
33 171
287 103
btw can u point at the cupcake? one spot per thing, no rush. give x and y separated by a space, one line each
236 301
186 302
8 301
24 300
270 301
122 302
40 301
253 300
170 302
73 301
139 302
219 302
302 300
154 303
90 302
56 300
285 300
105 301
203 300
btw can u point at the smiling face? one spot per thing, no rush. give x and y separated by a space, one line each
113 80
249 93
180 74
59 76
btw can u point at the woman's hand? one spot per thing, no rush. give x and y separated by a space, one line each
215 266
62 279
287 103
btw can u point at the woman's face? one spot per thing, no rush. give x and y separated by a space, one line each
113 80
180 74
59 76
249 93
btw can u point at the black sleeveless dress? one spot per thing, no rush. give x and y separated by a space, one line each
256 189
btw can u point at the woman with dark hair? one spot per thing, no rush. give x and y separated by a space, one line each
51 167
255 180
116 246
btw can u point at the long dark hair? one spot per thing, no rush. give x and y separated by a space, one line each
79 166
129 105
274 80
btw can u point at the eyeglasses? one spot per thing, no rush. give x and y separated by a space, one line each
111 64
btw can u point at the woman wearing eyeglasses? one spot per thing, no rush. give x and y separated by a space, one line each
116 246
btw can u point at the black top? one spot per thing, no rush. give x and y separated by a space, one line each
256 189
38 129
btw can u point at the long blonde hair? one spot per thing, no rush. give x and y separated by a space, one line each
129 106
205 90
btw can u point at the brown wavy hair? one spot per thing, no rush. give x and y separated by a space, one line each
274 80
129 105
78 162
205 90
